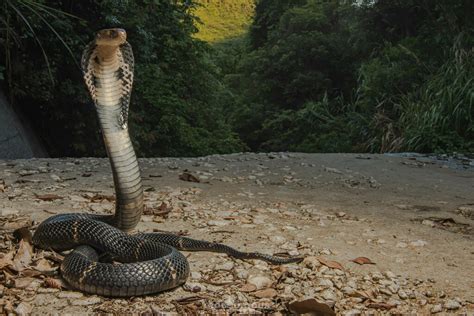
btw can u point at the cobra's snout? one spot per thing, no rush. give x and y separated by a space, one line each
111 37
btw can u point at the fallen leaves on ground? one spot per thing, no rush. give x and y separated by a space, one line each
331 264
362 260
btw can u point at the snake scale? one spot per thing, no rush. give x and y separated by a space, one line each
148 262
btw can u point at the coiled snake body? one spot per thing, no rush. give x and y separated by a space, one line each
150 262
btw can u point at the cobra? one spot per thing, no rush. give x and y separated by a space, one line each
149 262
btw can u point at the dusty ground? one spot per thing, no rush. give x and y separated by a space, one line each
412 217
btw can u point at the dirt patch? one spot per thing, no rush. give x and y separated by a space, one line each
413 219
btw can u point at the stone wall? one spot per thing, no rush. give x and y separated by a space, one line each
16 138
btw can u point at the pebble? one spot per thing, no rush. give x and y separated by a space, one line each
278 239
23 309
226 266
452 305
196 275
402 294
86 301
69 294
217 223
427 222
437 308
260 281
242 274
329 295
418 243
326 283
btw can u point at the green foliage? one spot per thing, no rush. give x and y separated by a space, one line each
355 76
221 20
174 108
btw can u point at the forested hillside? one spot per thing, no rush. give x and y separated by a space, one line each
223 19
310 75
319 76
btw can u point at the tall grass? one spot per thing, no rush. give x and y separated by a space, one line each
440 115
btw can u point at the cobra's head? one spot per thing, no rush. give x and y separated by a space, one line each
111 37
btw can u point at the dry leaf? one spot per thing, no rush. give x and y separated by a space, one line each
43 265
23 256
186 176
21 283
16 223
311 307
248 288
7 259
362 260
266 293
49 197
2 185
331 264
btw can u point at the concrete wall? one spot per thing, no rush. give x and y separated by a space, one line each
16 139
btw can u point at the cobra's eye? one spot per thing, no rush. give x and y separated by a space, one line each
113 34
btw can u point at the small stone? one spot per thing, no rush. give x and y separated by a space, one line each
393 288
418 243
390 275
217 223
437 308
227 266
260 281
326 283
242 274
377 276
325 251
452 305
329 295
427 222
23 309
401 245
348 291
278 239
192 287
196 275
56 178
402 294
70 294
311 262
86 301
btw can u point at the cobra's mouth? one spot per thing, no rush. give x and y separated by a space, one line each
111 37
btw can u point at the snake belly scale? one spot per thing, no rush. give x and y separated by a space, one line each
149 262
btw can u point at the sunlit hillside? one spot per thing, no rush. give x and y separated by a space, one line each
223 19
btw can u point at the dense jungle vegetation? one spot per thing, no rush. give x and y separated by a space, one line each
309 75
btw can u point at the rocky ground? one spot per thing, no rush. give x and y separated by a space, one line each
380 234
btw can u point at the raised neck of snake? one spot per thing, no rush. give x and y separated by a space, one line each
108 71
